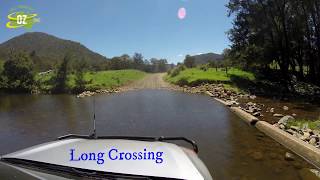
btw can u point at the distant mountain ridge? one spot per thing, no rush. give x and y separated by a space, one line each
48 49
207 57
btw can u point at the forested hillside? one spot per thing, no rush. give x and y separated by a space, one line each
46 50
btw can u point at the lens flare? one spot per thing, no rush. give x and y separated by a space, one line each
182 13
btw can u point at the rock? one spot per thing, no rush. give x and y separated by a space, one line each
297 135
289 156
252 109
209 93
286 108
284 120
228 103
231 103
305 136
295 128
313 141
273 155
250 104
290 131
294 114
277 115
316 172
252 97
308 131
316 132
272 110
281 126
257 156
35 91
257 114
308 174
85 94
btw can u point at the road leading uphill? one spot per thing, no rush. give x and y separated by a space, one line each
151 81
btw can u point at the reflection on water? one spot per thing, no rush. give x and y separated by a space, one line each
229 148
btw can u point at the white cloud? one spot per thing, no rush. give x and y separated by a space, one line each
180 55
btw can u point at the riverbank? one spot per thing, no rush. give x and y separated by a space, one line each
271 112
238 87
288 130
149 81
98 82
197 76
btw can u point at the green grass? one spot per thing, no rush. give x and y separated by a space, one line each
109 79
97 80
195 76
314 125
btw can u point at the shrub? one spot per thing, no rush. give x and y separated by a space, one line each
183 81
204 67
176 71
18 73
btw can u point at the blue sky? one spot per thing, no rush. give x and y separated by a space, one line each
115 27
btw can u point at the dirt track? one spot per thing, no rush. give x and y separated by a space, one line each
151 81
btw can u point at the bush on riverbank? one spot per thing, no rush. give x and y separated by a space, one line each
94 80
196 76
17 74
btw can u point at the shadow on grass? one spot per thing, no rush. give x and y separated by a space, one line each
271 89
259 86
184 82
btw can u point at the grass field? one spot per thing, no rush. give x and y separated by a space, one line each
314 125
196 76
96 80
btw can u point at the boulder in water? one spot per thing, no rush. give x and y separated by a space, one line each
286 108
284 120
289 156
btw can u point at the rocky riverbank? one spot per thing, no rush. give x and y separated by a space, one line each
100 91
250 104
306 134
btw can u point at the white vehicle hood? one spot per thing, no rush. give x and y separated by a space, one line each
176 163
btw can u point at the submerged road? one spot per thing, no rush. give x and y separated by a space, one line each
150 81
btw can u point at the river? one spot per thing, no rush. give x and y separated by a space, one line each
230 148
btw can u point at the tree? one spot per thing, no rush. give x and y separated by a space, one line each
80 82
60 80
189 61
283 31
226 59
163 65
18 73
138 61
39 63
158 65
1 65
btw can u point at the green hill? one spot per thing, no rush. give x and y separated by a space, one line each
46 50
206 58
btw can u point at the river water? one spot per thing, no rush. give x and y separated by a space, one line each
230 148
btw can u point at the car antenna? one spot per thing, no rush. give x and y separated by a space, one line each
94 135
